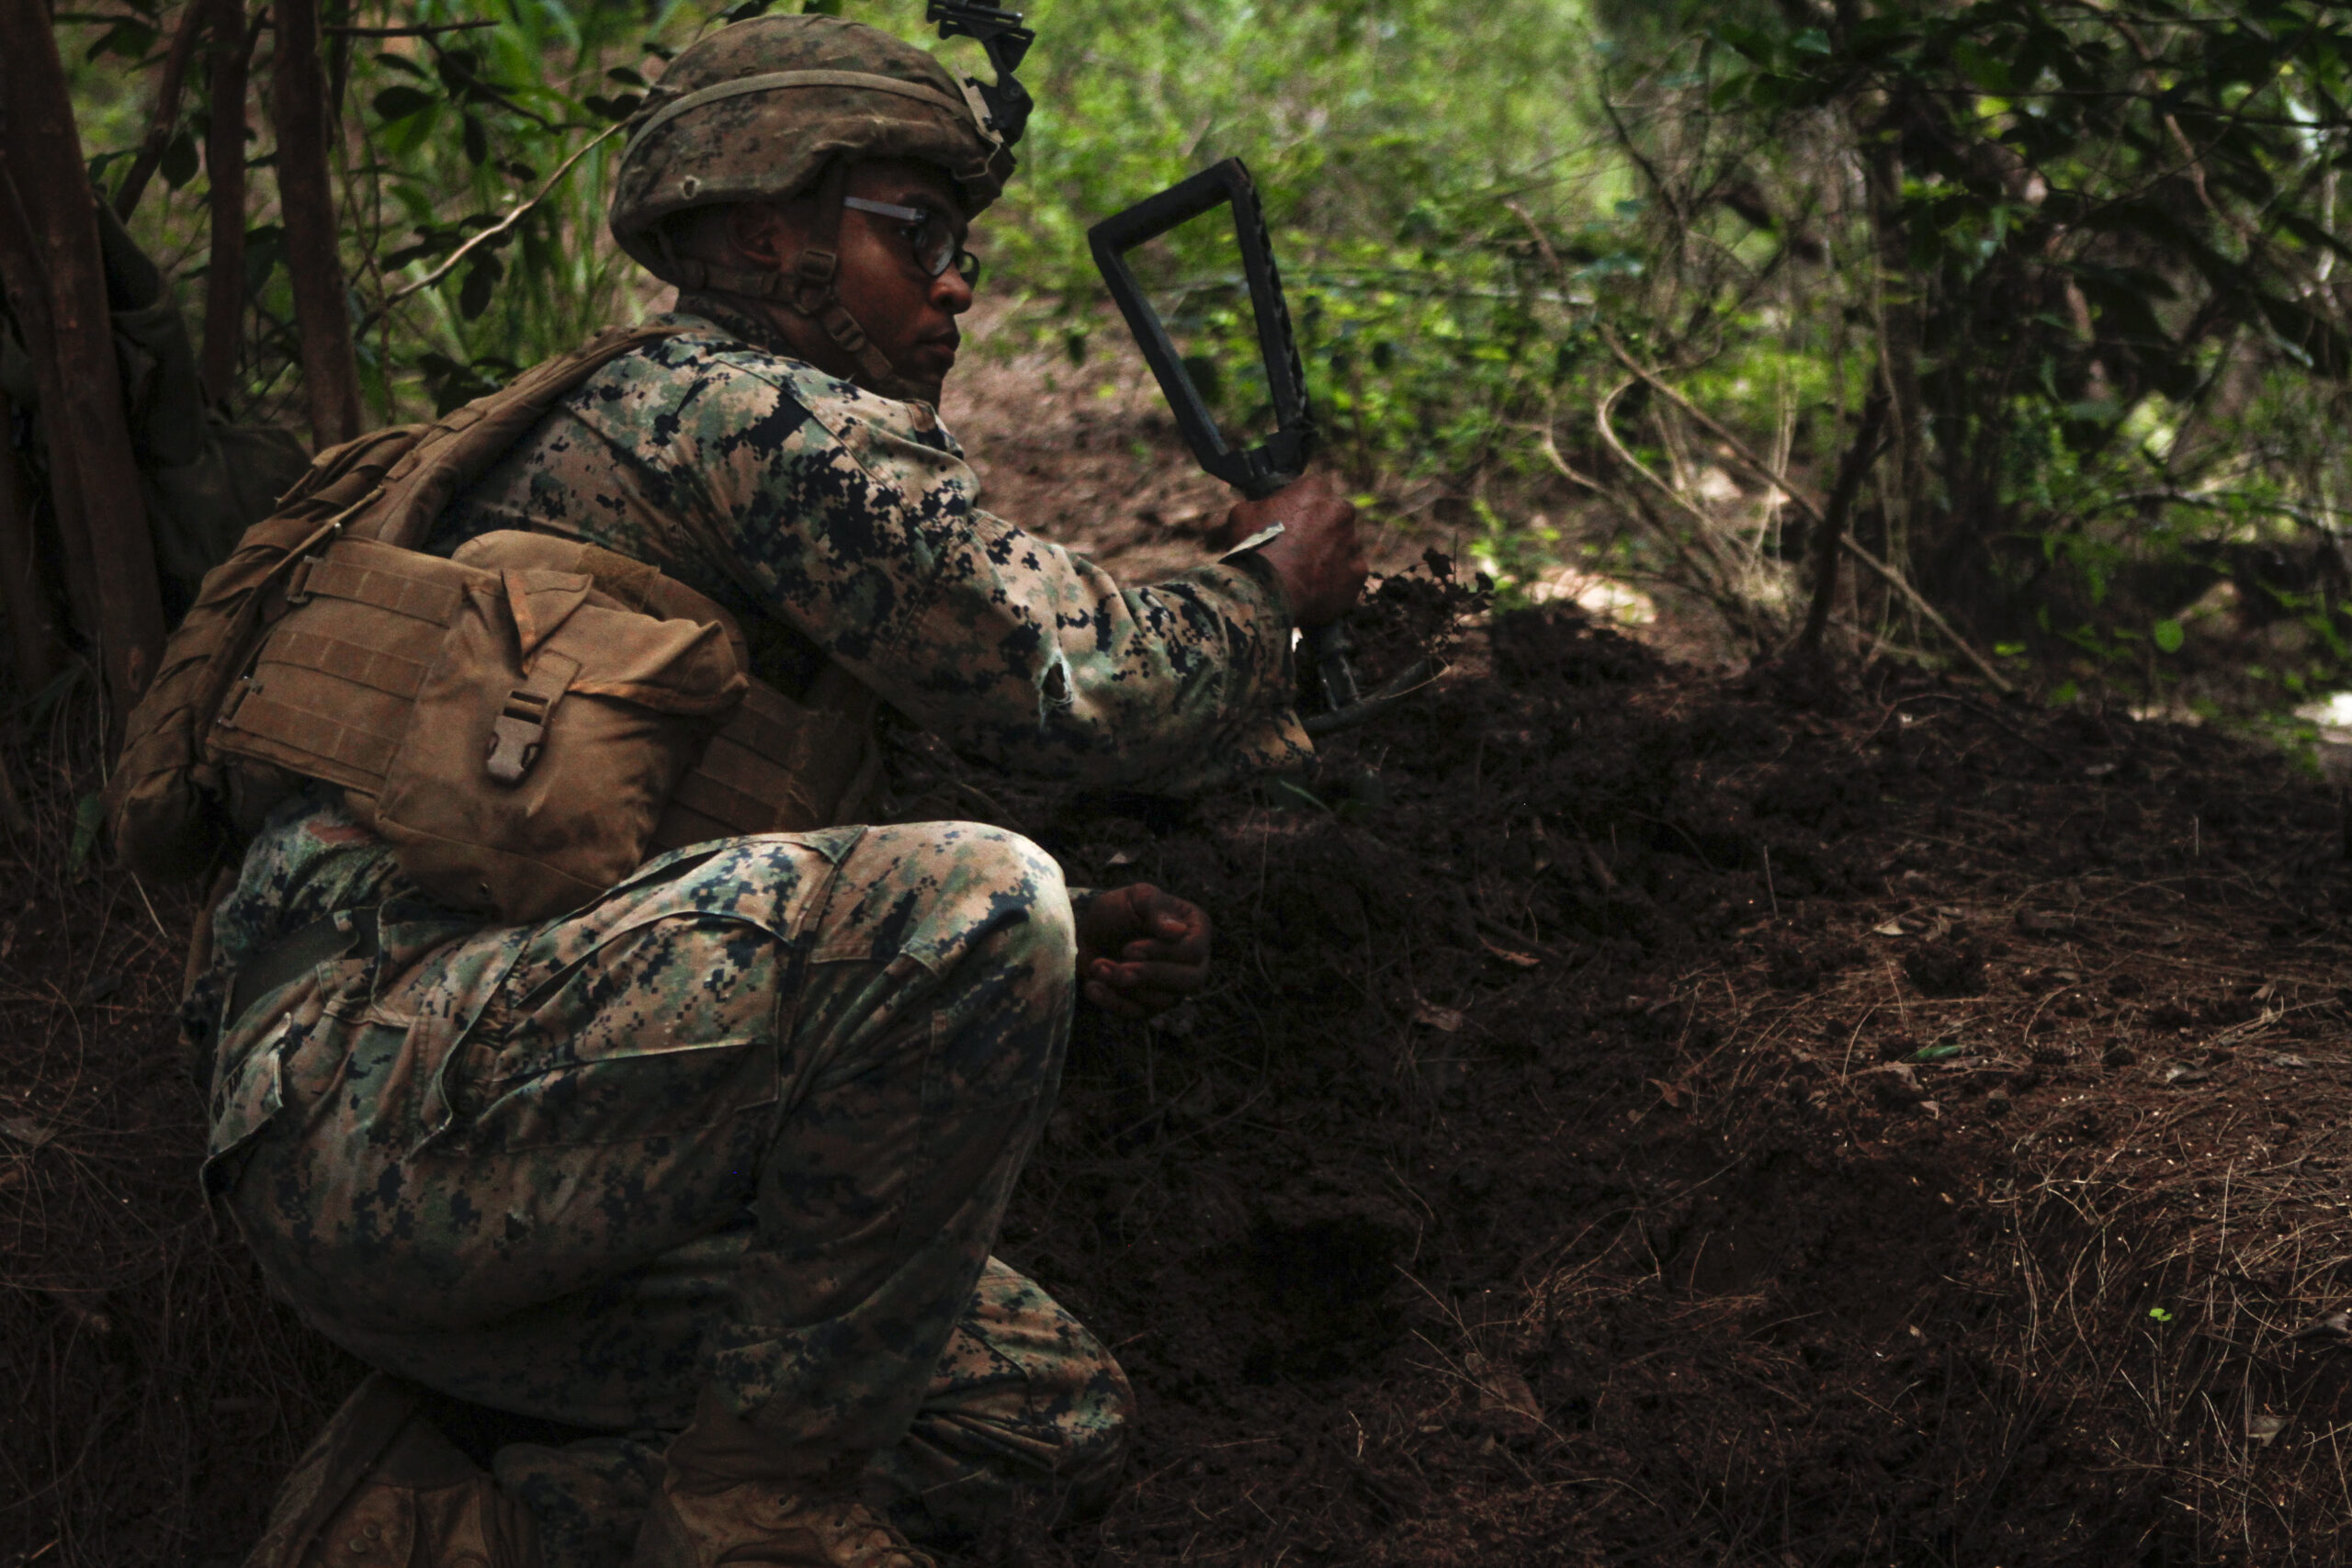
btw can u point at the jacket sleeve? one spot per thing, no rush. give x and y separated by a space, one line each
859 524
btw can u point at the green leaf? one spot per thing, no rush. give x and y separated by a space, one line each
1984 68
177 164
1750 42
619 107
89 812
476 142
1935 1053
2167 636
399 102
482 277
127 38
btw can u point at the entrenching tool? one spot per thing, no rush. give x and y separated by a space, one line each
1256 471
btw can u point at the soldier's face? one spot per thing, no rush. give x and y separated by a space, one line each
910 314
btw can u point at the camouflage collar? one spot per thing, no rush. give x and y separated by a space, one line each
732 319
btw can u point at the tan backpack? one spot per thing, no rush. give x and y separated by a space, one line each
524 723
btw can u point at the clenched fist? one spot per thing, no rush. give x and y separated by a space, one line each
1140 950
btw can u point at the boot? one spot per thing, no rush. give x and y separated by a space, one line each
730 1498
382 1488
755 1524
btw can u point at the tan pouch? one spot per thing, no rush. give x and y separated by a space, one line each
781 764
176 800
514 735
546 742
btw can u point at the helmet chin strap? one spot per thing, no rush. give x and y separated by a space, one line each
807 288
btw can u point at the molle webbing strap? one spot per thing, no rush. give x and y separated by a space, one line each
333 683
331 746
734 782
377 669
630 581
384 579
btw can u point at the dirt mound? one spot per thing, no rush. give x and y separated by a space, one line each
1642 1117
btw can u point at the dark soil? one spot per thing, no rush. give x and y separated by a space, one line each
1816 1118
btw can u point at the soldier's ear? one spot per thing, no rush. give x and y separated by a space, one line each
764 234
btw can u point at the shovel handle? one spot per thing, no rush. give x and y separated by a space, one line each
1327 648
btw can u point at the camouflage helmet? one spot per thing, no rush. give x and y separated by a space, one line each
756 111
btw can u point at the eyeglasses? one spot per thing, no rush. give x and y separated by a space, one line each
936 242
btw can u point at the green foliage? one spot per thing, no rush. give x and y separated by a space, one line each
445 136
1384 140
2106 245
2093 256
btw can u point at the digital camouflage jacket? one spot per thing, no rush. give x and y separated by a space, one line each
849 524
837 522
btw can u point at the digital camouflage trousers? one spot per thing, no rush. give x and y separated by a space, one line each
750 1120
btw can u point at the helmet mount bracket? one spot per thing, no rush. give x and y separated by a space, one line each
1000 32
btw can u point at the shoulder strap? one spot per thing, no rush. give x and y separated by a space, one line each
460 446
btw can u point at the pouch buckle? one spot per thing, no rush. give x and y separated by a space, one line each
517 733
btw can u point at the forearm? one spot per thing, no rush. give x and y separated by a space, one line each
1044 666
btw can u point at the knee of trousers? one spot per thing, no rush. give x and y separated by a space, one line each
984 886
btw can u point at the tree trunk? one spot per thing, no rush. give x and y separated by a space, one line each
313 266
1828 540
1899 337
100 505
25 278
224 165
34 646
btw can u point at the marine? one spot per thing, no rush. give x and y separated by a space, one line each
687 1199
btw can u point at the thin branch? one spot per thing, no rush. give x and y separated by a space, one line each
167 109
1830 536
1716 572
1928 613
504 225
1798 499
1698 573
1739 448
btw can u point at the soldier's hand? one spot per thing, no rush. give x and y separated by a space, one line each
1318 555
1140 950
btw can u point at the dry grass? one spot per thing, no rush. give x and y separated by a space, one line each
157 1394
